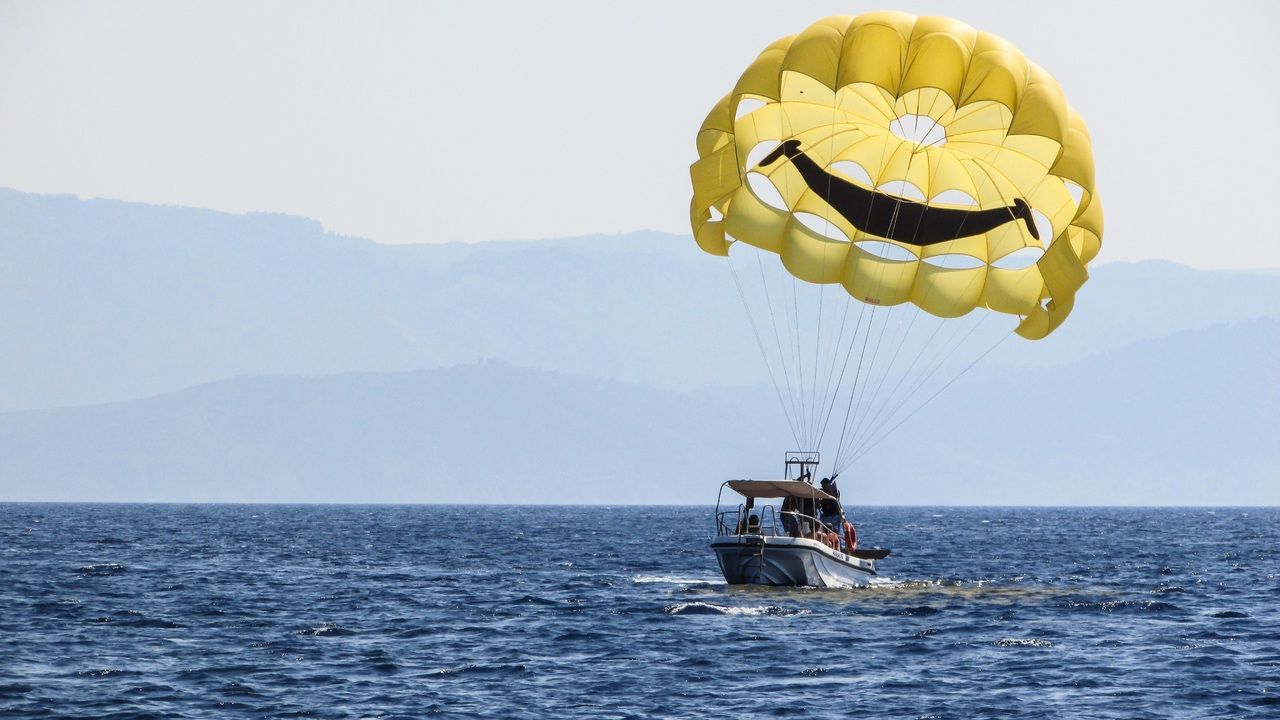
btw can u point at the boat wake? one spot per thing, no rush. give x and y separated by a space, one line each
676 580
705 608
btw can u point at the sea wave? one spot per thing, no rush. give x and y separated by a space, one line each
706 608
415 611
675 580
326 630
1024 642
101 569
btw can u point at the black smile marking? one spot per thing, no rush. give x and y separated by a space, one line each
895 218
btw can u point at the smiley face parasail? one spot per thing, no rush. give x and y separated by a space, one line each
910 160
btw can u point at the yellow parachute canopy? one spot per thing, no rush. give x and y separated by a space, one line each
909 159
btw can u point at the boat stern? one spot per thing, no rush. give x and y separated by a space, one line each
784 561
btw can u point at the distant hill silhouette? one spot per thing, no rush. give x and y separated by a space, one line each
105 301
1188 419
202 356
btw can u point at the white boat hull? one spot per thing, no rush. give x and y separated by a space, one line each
773 560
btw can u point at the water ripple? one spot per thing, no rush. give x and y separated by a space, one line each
360 611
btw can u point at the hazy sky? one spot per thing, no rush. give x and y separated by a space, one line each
425 122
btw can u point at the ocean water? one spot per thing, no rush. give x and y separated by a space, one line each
528 612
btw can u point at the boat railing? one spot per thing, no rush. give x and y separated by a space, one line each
767 513
799 517
738 522
727 521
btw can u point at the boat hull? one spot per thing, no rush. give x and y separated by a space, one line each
786 561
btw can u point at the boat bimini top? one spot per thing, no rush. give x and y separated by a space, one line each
777 489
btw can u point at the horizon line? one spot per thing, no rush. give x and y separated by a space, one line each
285 503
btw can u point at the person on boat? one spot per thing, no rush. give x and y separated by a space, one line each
830 509
789 524
808 509
744 522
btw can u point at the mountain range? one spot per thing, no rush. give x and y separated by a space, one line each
177 354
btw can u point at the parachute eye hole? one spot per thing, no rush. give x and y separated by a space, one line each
919 129
954 261
757 153
766 192
853 171
954 197
886 251
1043 226
1019 259
746 106
821 226
1075 191
902 189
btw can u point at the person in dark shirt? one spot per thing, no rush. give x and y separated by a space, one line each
745 521
830 509
789 524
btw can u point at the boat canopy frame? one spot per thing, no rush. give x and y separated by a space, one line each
797 482
777 489
802 463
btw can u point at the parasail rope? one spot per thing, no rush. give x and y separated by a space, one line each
820 427
794 326
862 354
944 354
968 367
817 347
868 409
860 443
849 409
888 368
866 443
854 411
795 314
892 394
835 356
760 344
777 338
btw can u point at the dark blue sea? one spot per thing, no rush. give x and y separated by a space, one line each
227 611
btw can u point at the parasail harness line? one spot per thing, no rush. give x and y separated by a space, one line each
870 440
857 382
760 343
850 211
859 389
936 393
862 442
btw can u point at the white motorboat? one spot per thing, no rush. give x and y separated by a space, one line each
765 545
